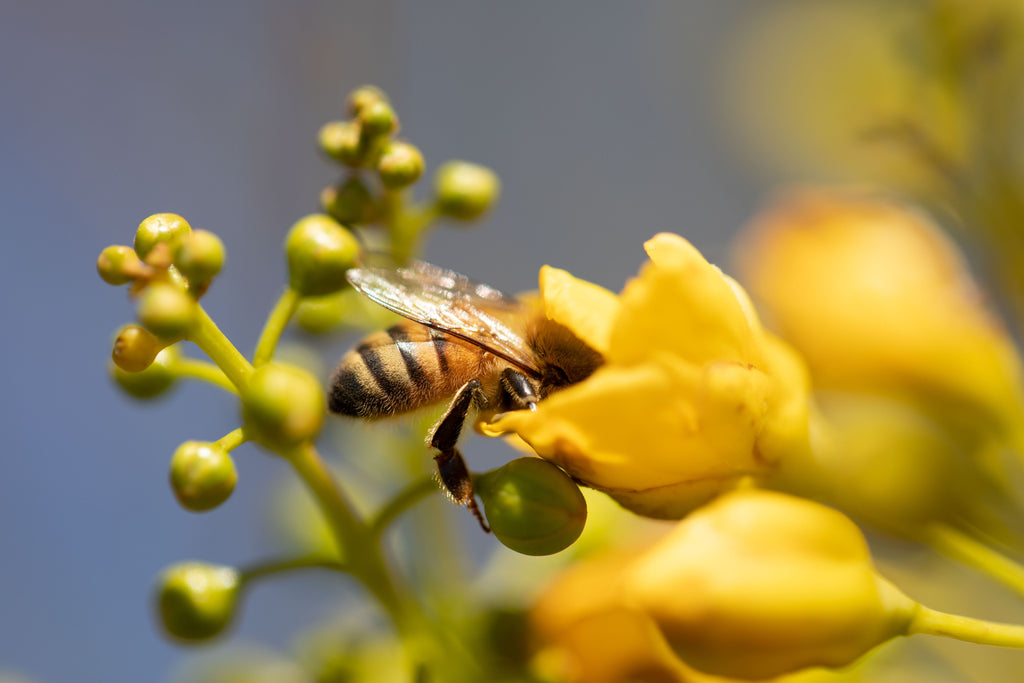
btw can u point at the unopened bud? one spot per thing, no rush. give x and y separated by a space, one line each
532 506
319 252
283 405
197 601
199 257
349 202
464 190
166 310
400 165
202 475
135 349
118 264
159 228
154 381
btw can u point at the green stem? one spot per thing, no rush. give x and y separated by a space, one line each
208 337
233 439
278 319
407 225
359 548
268 568
201 370
412 494
932 622
961 547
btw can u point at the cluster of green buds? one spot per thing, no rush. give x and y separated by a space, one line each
533 506
380 169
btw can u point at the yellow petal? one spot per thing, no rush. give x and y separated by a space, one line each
585 308
680 304
877 298
641 430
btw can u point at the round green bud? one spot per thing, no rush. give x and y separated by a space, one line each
199 257
349 202
118 264
464 190
135 349
159 228
533 507
283 405
196 601
343 141
319 252
400 165
377 119
151 382
166 310
321 314
202 475
362 97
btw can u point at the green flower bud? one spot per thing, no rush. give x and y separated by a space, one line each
377 119
400 165
160 227
362 97
319 252
464 190
151 382
321 314
344 142
202 475
199 257
283 405
197 601
135 349
118 265
533 507
349 202
166 310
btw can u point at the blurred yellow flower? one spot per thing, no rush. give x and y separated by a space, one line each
760 584
876 298
694 396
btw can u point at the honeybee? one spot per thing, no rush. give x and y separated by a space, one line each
462 340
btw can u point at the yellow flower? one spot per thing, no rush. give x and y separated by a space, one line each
760 584
694 396
877 299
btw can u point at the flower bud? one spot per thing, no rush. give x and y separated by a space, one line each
197 601
464 190
135 349
400 165
321 314
199 257
118 264
377 118
319 252
343 141
283 405
151 382
760 584
532 506
202 475
349 202
160 227
166 310
362 97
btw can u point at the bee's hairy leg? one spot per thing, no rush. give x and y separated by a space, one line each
519 387
450 465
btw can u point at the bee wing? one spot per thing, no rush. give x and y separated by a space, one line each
449 302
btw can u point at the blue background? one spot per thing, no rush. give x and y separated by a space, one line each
601 124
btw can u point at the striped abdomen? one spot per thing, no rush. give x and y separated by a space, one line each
405 367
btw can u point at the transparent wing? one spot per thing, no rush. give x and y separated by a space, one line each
449 302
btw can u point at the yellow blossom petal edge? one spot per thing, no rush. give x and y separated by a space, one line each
585 308
683 305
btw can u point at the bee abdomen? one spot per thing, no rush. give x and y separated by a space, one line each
395 371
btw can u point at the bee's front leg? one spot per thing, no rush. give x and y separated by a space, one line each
450 465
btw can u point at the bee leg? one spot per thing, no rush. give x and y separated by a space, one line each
519 388
450 465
